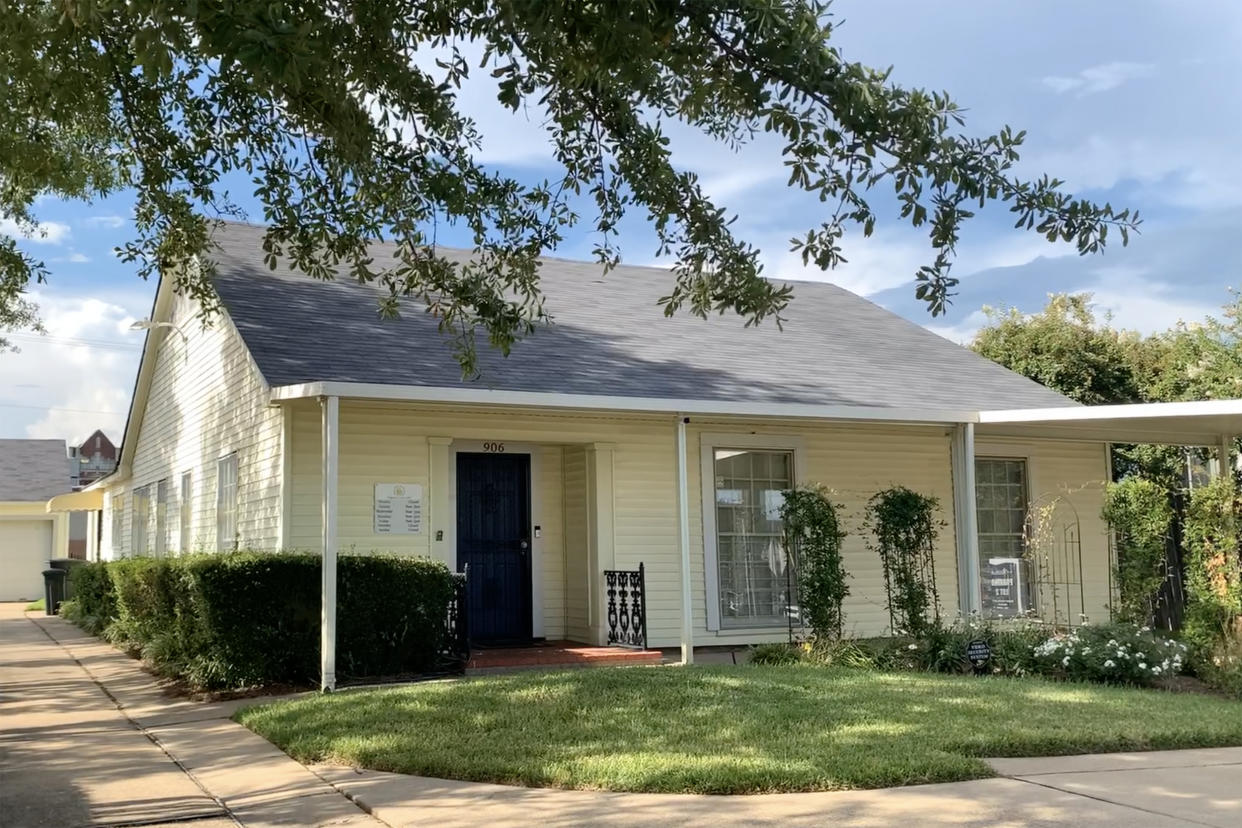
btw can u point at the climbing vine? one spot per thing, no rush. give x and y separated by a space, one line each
1140 515
812 539
1213 581
904 526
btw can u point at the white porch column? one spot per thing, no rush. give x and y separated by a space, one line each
1224 455
683 521
331 411
601 545
962 456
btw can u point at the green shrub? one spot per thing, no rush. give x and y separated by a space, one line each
252 618
93 606
812 538
775 654
944 648
1112 654
1140 515
904 527
1221 667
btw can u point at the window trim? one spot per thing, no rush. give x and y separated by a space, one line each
117 506
231 544
709 442
160 549
185 503
139 529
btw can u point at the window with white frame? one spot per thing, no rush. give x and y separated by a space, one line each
161 518
118 523
187 512
226 503
140 515
1001 505
754 585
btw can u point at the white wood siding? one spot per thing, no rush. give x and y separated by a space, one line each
207 399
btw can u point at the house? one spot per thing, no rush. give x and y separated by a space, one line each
93 459
96 457
31 471
613 438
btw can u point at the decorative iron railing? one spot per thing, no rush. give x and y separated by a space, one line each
627 607
456 650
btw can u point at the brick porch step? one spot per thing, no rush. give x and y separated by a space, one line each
556 654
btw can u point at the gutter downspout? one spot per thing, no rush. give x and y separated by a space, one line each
683 520
331 410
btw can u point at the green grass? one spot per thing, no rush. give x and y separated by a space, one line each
35 606
731 729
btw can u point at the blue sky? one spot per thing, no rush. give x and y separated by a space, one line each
1136 102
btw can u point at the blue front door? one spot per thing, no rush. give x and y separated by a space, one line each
493 539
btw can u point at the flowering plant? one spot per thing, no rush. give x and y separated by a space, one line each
1113 653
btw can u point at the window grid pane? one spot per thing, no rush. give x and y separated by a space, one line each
749 552
1001 505
161 518
226 503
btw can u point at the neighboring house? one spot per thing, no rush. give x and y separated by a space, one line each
95 458
613 437
31 471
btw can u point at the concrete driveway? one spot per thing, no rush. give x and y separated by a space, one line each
86 738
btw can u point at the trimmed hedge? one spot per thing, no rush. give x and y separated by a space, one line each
250 618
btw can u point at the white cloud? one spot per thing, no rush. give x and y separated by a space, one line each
111 222
47 232
1101 78
73 258
79 376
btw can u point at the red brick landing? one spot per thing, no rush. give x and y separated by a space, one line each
555 654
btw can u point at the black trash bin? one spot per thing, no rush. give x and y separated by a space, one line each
53 589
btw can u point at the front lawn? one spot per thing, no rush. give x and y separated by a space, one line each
730 729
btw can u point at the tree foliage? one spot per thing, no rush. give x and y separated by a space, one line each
812 539
904 527
345 119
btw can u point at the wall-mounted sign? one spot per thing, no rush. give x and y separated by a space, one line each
398 508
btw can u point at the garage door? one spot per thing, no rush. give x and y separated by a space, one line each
25 546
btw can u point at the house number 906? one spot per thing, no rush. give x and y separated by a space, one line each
494 448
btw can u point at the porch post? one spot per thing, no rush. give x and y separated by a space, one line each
330 407
601 534
962 456
683 521
1224 454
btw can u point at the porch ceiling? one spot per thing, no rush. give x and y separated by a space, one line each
1180 423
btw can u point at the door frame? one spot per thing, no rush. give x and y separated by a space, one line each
536 509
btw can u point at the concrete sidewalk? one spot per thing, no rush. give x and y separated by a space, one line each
88 738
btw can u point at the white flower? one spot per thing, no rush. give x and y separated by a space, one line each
1142 665
1065 661
1109 663
912 647
1155 671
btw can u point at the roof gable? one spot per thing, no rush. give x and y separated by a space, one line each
610 337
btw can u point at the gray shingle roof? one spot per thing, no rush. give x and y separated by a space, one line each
33 470
609 336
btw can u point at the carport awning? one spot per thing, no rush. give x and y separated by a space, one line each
1182 423
87 500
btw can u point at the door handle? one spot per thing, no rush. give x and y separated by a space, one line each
523 546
